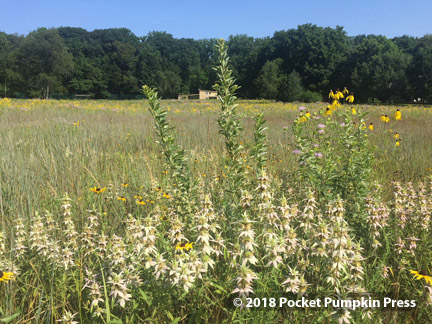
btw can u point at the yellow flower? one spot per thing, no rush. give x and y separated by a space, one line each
124 185
5 276
421 275
345 91
397 143
396 135
166 195
327 112
353 110
158 189
398 115
382 118
184 246
331 95
121 198
98 190
137 197
307 115
350 98
140 202
371 126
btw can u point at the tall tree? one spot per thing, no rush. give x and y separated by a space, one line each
45 61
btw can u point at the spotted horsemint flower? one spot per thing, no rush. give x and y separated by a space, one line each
318 155
296 152
301 108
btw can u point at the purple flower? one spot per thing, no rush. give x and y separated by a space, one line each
316 117
296 152
342 125
315 145
321 126
302 108
318 155
321 131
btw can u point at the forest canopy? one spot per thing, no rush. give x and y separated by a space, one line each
296 64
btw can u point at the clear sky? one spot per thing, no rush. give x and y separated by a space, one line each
220 18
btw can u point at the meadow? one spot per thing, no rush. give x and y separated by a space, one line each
109 215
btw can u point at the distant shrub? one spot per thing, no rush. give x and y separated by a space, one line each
310 96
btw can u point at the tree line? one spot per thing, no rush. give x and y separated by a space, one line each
295 64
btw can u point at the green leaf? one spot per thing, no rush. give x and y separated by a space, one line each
10 318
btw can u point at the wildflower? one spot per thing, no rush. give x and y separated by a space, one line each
302 108
76 123
328 112
140 202
121 198
331 95
371 126
353 110
397 143
350 98
321 126
296 152
184 246
421 275
321 131
342 124
396 135
158 189
5 276
137 197
386 119
398 115
345 91
166 195
98 190
318 155
307 115
124 184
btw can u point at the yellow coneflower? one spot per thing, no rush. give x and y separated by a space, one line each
121 198
371 126
345 91
350 98
396 135
307 115
140 202
421 275
137 197
386 119
166 195
158 189
331 94
397 143
124 184
76 123
398 115
98 190
6 276
353 110
363 125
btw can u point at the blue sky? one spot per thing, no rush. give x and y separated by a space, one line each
221 18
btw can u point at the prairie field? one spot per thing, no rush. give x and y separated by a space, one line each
109 215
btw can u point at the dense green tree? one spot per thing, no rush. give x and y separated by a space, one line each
269 79
379 69
290 88
115 63
45 61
